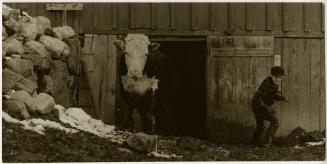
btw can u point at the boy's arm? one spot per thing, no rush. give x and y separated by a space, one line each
279 96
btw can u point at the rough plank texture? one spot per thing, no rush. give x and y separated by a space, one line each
323 86
304 66
182 16
123 17
290 86
233 79
97 77
259 16
238 15
162 19
315 83
65 6
143 15
201 17
111 80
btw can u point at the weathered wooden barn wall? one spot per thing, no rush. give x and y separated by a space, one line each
304 85
297 19
297 28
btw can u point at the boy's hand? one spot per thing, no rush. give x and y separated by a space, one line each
284 99
271 110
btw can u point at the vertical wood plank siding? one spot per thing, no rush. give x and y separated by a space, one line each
304 84
202 17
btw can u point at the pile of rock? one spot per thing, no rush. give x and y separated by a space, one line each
40 63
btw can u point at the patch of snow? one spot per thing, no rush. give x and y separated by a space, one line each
59 107
316 143
124 150
163 155
38 129
37 125
52 124
8 94
298 147
78 119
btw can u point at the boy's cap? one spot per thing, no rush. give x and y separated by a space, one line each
277 71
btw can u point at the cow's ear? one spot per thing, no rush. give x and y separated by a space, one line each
154 46
120 44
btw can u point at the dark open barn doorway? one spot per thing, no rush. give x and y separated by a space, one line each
189 111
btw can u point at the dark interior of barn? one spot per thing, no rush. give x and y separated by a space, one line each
189 111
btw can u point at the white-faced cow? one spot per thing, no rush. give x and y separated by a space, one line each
148 80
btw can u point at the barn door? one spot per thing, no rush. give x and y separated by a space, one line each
236 66
97 91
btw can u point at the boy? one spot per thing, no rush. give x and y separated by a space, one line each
262 105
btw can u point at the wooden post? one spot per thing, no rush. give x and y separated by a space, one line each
230 17
269 17
306 18
114 16
248 17
172 16
153 16
132 15
212 16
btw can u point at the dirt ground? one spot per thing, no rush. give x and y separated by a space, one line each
56 146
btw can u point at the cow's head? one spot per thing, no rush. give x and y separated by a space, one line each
135 48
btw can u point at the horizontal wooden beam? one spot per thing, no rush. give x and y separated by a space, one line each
203 33
64 6
186 39
243 55
239 52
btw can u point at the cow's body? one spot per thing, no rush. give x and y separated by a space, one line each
156 103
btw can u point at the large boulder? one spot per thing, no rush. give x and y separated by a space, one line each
27 85
24 19
142 142
60 76
38 54
45 84
8 13
28 31
15 56
34 47
22 96
64 32
11 26
21 66
73 60
9 79
13 46
15 106
42 24
4 33
12 80
4 50
57 47
42 103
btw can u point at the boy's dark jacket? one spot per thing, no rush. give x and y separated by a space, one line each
267 94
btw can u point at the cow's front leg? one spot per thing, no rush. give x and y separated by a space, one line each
152 122
152 113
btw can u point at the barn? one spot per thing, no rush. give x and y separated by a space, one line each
222 52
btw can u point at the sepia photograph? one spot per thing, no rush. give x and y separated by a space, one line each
133 81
